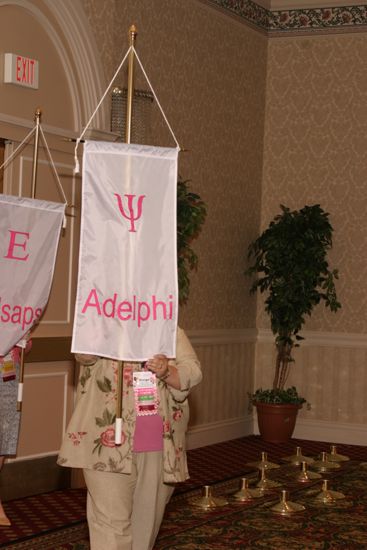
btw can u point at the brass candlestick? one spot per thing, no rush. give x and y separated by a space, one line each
326 496
285 506
298 458
207 501
264 463
334 456
324 465
266 484
245 494
305 475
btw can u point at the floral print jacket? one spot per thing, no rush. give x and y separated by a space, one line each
89 441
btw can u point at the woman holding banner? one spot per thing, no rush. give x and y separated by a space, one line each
9 416
130 484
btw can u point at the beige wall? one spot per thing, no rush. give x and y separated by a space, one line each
315 152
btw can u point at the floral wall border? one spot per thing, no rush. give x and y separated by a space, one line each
341 19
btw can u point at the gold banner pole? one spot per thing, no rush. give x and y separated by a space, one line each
130 85
35 152
129 112
33 194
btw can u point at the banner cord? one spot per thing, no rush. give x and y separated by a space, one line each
10 157
77 167
25 140
53 166
56 174
155 97
131 48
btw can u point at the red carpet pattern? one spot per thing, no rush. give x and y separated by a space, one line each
56 521
41 514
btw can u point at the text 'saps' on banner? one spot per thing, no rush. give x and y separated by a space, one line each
29 237
127 297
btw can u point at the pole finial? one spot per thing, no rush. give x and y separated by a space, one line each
132 34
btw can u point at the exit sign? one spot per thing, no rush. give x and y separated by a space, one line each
20 70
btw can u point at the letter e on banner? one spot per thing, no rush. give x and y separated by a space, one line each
29 237
13 243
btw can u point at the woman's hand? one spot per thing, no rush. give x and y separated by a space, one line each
159 365
164 371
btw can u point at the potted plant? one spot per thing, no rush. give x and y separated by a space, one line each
289 260
191 214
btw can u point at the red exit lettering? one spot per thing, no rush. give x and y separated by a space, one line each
25 70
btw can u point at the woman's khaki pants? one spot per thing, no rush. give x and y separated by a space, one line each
125 511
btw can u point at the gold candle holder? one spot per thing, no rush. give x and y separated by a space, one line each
286 507
334 456
305 475
245 493
264 463
324 465
266 484
207 501
326 496
298 458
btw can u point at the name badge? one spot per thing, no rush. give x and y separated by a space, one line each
145 393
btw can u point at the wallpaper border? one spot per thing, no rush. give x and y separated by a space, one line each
304 21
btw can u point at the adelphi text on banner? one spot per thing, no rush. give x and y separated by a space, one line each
29 237
127 296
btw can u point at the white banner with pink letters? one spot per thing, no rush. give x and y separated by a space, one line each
127 297
29 237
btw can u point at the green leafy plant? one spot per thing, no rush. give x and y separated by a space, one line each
191 214
290 395
289 260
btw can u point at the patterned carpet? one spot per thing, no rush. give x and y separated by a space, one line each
41 514
337 526
56 521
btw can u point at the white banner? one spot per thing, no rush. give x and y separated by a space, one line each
29 236
127 298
